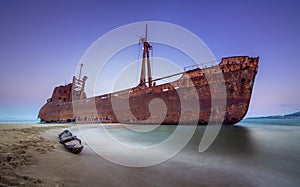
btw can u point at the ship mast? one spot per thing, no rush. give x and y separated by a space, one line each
80 71
146 49
78 85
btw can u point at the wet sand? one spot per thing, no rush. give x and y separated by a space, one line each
241 155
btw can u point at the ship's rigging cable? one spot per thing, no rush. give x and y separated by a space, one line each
201 65
185 69
151 63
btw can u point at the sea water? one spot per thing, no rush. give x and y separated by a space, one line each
270 121
19 121
254 152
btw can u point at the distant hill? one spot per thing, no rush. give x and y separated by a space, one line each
295 115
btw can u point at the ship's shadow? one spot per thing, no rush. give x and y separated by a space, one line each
231 140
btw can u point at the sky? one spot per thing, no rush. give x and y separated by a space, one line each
42 43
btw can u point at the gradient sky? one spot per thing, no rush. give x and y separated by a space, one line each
42 43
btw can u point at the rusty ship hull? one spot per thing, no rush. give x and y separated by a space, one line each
239 74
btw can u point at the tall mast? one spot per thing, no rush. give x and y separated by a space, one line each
80 71
78 86
143 71
146 58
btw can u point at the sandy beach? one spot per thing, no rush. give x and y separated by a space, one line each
242 155
21 147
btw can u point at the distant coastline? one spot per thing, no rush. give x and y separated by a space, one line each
295 115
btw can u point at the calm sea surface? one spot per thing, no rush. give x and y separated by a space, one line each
255 152
19 121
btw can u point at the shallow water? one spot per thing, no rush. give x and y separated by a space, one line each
252 153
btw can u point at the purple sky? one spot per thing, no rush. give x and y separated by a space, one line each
42 43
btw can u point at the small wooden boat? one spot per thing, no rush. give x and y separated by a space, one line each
71 143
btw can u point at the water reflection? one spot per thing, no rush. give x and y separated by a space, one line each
231 140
